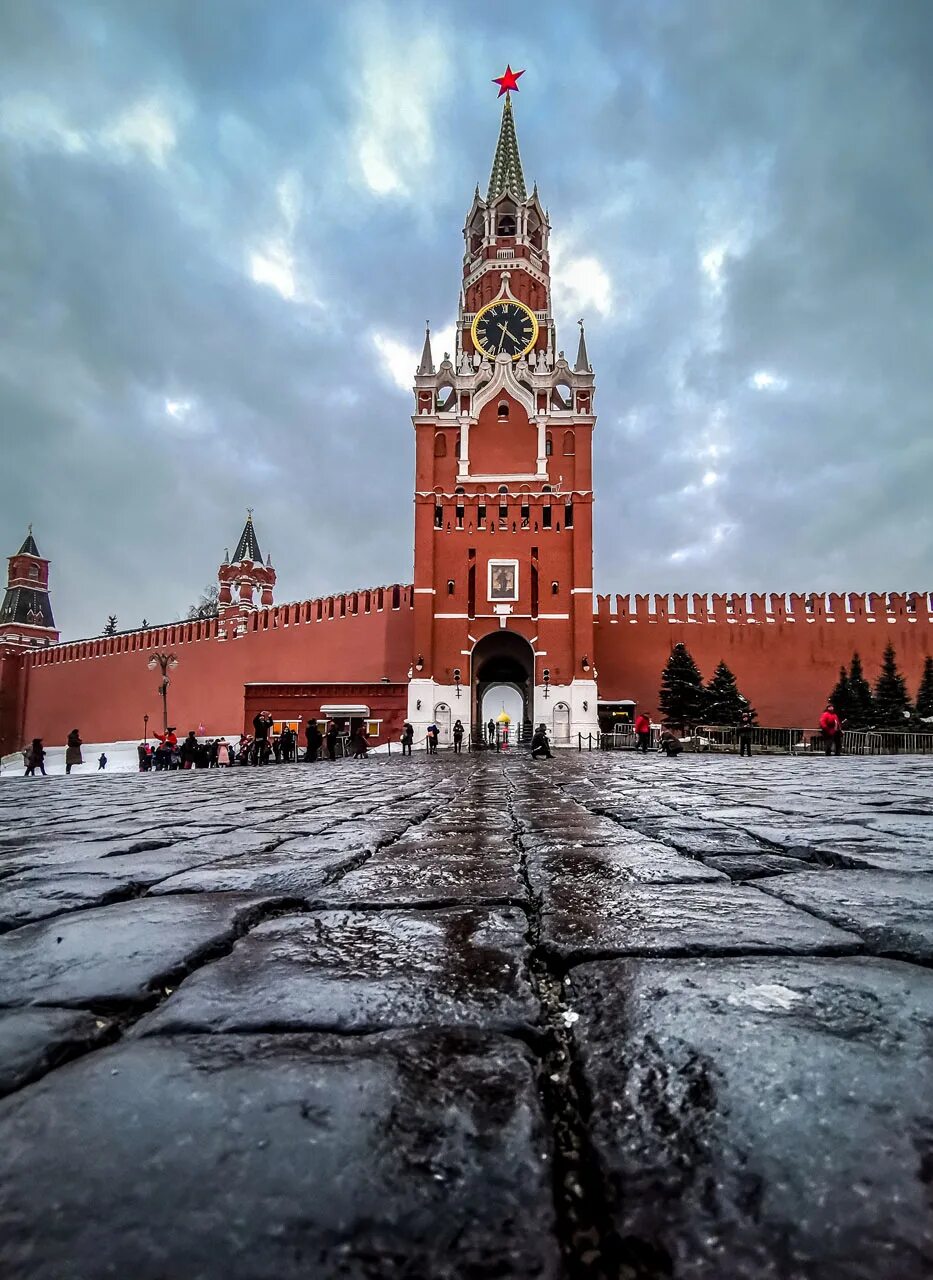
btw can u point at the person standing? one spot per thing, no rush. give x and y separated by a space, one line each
73 752
831 729
102 762
643 732
408 737
330 738
34 758
491 732
261 727
189 751
358 742
539 744
458 736
433 733
286 740
223 754
313 739
745 734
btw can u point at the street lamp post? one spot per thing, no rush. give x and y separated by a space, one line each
146 729
165 662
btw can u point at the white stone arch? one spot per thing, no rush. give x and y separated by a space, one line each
560 723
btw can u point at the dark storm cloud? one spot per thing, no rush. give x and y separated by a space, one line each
224 223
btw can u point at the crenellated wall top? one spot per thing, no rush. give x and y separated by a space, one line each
768 608
320 609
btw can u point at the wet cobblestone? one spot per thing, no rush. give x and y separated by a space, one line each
464 1016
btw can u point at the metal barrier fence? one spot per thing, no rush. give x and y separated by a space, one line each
769 741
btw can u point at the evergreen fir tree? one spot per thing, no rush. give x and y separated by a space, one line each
841 698
682 698
724 703
861 701
892 705
111 627
924 705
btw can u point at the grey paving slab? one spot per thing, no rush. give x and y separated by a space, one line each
763 1119
33 1041
277 871
892 912
740 866
280 1158
353 971
118 954
599 918
399 877
591 870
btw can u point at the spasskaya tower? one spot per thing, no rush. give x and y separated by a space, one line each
503 573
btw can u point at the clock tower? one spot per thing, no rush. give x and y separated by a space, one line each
503 582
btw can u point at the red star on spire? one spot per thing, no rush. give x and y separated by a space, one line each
508 81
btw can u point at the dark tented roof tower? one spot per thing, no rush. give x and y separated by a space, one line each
506 172
248 546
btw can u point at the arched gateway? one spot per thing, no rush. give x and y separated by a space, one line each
502 661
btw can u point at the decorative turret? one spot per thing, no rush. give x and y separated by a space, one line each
26 613
244 575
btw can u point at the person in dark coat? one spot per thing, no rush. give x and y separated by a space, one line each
189 751
330 737
277 749
262 727
73 753
142 751
670 744
102 762
286 742
745 734
539 744
491 733
408 737
358 742
458 736
313 739
34 758
433 733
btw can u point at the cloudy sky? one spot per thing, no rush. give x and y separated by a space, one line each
223 224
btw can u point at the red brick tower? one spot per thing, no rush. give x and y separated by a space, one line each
26 613
245 574
503 487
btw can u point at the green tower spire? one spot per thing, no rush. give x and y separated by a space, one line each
506 172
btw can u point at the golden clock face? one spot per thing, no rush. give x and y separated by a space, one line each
505 326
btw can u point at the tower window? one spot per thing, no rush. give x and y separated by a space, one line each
459 517
438 517
526 515
503 511
450 586
568 516
34 572
549 445
569 444
555 588
545 517
440 446
503 488
481 516
545 488
503 410
506 225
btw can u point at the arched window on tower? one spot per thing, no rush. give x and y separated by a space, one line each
34 572
548 445
569 445
440 445
503 411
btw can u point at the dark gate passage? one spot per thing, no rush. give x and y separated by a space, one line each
505 658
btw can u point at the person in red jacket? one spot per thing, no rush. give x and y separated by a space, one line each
643 731
831 729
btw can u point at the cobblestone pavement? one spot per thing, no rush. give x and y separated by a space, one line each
469 1017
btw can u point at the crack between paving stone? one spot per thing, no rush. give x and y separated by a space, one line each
590 1247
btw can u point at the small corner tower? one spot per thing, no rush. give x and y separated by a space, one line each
240 578
503 586
26 614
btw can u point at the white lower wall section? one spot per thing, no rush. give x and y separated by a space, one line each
568 710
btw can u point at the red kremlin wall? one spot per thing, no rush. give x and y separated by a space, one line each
785 651
104 686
